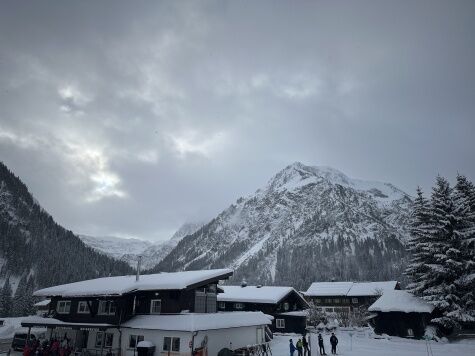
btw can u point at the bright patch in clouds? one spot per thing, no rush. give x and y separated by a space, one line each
192 142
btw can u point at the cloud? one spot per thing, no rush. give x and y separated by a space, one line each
133 118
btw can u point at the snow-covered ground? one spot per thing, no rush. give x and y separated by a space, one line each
10 326
364 344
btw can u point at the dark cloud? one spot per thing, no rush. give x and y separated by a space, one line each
131 118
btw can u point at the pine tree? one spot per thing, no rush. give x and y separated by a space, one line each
444 265
19 298
6 299
419 244
464 231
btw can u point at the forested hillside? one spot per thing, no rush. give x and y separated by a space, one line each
37 252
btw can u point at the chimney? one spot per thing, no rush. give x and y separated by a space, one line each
243 283
139 263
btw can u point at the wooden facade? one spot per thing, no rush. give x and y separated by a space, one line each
284 321
118 309
401 324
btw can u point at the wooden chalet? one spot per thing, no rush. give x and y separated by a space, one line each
285 304
345 297
399 313
174 312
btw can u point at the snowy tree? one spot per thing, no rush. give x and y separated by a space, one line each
6 299
464 231
441 268
419 244
23 299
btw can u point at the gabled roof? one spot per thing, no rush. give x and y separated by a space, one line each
371 288
255 294
349 289
198 322
400 301
114 286
329 289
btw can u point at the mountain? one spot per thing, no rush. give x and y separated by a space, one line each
156 253
35 251
128 250
122 249
307 224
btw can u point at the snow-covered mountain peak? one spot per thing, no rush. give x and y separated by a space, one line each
298 175
309 211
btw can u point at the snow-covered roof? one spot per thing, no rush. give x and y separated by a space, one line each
254 294
371 288
197 322
296 313
329 288
125 284
400 301
43 303
41 321
349 289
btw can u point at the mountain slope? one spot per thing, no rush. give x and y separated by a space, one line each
34 247
156 253
308 223
128 250
122 249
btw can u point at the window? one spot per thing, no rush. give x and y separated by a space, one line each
328 300
222 305
134 340
63 306
280 323
109 338
238 306
286 306
260 336
155 306
83 308
171 344
329 310
336 301
106 307
318 301
354 300
200 301
410 333
211 302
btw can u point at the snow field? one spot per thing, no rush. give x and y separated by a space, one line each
364 344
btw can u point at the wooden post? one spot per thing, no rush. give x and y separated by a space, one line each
28 336
103 341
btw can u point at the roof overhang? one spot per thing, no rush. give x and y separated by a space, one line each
55 323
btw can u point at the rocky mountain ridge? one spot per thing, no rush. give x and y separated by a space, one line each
308 223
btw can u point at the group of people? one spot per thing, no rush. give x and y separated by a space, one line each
302 345
47 348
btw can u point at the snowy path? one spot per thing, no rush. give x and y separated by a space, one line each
368 346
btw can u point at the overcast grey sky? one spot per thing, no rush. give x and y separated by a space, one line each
129 118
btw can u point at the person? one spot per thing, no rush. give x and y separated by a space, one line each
292 347
306 350
299 347
333 342
320 344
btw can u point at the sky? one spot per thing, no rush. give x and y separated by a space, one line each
130 118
